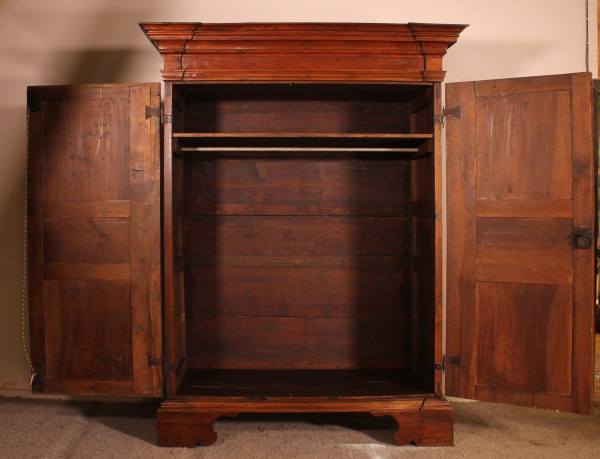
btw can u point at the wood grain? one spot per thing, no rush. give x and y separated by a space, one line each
302 51
70 270
297 236
507 168
145 239
88 330
87 240
320 187
532 326
583 260
461 302
96 135
423 421
525 208
86 209
243 342
288 292
547 326
531 241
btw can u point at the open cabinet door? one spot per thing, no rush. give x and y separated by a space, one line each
520 191
94 239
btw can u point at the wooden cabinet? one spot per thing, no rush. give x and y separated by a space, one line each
297 218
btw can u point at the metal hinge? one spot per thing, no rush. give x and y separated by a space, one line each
34 98
454 112
447 360
154 361
157 111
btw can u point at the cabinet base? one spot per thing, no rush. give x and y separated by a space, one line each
422 421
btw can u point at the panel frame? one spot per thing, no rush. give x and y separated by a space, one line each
142 212
463 211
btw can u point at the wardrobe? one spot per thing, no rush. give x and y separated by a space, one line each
269 237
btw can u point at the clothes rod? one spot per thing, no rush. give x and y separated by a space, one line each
285 149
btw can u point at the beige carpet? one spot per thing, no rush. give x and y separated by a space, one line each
49 428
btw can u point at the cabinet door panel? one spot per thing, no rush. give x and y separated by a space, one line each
94 239
520 294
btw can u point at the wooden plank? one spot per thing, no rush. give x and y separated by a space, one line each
532 241
87 240
169 273
145 239
235 342
320 187
557 208
541 400
583 260
90 387
290 115
83 92
301 383
86 271
297 236
504 358
86 149
173 261
88 330
461 236
291 261
316 292
523 85
307 404
557 275
439 230
515 126
86 209
344 135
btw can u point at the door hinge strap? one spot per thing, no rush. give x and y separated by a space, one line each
152 361
157 111
454 112
447 360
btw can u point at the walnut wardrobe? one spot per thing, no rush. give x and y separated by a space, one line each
269 239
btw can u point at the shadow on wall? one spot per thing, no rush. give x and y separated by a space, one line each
33 64
500 60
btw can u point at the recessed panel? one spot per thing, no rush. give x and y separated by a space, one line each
86 150
524 146
88 330
87 239
525 337
525 241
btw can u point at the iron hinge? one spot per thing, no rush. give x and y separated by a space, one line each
447 360
152 361
454 112
34 98
157 111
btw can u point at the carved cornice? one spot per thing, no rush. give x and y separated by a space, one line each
302 51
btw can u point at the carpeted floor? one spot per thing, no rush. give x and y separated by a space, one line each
50 428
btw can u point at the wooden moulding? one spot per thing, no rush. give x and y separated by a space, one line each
302 51
422 421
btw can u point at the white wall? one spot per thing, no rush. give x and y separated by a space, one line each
71 41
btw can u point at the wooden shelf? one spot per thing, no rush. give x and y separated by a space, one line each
301 383
254 141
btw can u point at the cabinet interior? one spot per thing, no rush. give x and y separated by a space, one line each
303 222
